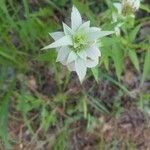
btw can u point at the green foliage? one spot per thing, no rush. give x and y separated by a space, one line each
144 102
4 115
48 118
95 72
26 103
61 142
60 2
4 120
117 56
133 56
146 69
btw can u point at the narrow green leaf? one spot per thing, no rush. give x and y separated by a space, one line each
26 8
4 112
95 73
145 7
4 120
105 56
84 101
133 56
146 70
6 56
117 56
48 56
98 105
134 32
121 86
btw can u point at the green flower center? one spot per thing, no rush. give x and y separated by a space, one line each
79 42
127 9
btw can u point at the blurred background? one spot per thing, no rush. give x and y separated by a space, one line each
44 107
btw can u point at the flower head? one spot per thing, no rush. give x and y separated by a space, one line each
126 8
130 6
77 46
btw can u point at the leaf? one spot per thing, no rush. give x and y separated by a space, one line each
4 112
146 70
121 86
26 8
133 56
48 56
85 107
27 103
105 56
134 32
4 120
6 56
106 43
145 7
48 119
95 73
117 56
98 105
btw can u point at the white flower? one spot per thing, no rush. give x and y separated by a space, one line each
126 8
77 46
134 5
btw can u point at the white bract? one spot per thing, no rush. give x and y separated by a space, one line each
77 46
117 29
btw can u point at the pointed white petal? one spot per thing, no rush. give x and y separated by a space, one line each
137 4
90 63
80 66
71 66
72 56
67 29
63 54
95 29
93 52
93 35
64 41
76 19
82 54
117 29
57 35
114 17
85 26
118 6
105 33
64 62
